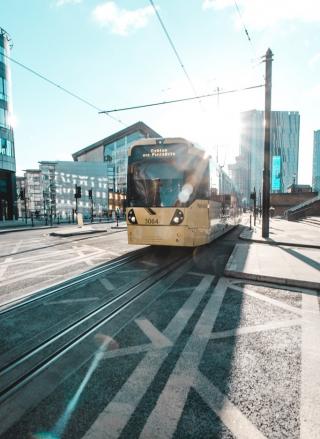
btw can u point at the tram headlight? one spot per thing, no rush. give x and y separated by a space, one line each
177 218
132 217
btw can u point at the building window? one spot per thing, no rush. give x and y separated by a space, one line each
3 117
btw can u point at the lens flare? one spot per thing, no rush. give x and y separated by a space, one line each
185 193
105 343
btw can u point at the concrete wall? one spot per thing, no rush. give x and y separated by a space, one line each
282 202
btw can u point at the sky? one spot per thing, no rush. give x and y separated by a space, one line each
115 54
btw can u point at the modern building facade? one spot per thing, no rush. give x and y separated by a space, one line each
32 196
113 150
7 153
58 181
284 152
316 161
21 206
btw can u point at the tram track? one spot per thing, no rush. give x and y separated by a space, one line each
43 381
96 271
18 367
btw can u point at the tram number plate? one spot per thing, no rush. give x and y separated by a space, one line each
151 221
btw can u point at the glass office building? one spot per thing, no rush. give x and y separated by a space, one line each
316 162
116 155
7 154
284 151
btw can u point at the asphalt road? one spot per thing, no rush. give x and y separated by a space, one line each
207 357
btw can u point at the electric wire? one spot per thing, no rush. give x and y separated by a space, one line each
79 98
173 47
218 93
245 28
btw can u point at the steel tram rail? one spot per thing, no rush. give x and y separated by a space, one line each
96 271
22 370
22 348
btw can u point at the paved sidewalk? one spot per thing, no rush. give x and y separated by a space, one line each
293 258
285 232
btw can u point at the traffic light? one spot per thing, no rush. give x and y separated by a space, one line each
78 192
21 194
90 193
253 196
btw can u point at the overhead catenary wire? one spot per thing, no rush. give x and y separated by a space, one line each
60 87
245 28
218 93
173 47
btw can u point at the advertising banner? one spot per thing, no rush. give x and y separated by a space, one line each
276 173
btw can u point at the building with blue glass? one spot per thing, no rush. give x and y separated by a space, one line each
7 154
284 152
316 162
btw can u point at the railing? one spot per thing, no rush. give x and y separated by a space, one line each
301 205
51 220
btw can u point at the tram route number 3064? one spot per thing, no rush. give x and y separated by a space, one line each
151 221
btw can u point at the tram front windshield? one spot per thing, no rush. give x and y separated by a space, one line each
155 184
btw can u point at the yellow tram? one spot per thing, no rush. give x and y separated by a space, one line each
177 195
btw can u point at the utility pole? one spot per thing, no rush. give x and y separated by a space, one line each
266 167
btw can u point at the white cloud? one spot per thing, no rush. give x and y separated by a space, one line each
65 2
122 21
260 14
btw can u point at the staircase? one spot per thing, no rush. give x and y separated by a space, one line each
306 209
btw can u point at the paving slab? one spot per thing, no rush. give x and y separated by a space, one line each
295 266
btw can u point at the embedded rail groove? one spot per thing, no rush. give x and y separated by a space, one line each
94 272
25 368
22 350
